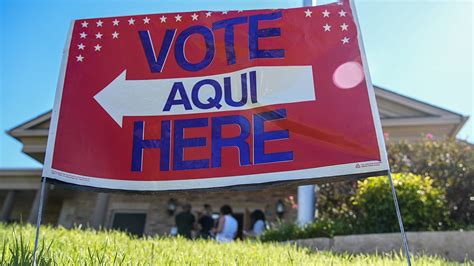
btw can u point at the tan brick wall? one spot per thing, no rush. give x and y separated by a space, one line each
79 206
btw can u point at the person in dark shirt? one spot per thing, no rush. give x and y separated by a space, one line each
185 222
206 223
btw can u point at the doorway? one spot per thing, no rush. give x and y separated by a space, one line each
133 223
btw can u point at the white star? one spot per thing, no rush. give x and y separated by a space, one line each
225 12
115 35
178 17
195 16
79 58
84 24
146 20
83 35
327 27
239 11
308 13
131 21
344 27
163 19
326 13
115 22
81 46
342 13
97 48
339 3
99 23
345 40
98 35
208 14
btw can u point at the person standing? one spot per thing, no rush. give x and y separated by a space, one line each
185 222
227 225
206 223
257 219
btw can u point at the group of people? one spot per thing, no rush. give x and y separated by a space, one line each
222 227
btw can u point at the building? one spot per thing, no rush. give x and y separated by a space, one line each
402 118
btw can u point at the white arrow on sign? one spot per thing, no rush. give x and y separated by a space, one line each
275 85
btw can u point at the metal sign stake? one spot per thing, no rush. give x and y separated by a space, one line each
399 216
38 218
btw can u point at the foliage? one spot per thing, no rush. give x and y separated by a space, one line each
87 247
289 231
421 204
372 210
450 163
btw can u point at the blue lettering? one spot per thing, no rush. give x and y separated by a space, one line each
255 33
240 141
177 87
180 143
228 25
140 144
260 136
181 41
211 102
228 91
156 64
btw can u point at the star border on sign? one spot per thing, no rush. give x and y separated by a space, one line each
308 13
344 27
342 13
194 16
163 19
83 35
115 35
84 24
131 21
99 35
345 40
178 17
81 46
326 13
115 22
99 23
327 27
208 14
97 48
79 58
146 20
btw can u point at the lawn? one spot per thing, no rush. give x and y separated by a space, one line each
60 246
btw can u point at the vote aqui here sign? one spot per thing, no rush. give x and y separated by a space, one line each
197 100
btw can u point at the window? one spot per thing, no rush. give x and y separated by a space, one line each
133 223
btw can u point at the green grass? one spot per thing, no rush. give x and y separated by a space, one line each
60 246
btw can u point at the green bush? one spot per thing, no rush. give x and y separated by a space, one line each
421 204
290 231
450 163
372 211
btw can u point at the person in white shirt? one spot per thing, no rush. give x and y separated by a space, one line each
257 219
227 225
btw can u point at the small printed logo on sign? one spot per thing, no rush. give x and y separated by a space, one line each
365 165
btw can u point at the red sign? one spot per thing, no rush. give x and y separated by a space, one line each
206 99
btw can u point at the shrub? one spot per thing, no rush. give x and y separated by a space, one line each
450 163
290 231
421 204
